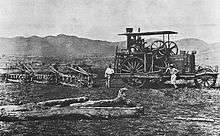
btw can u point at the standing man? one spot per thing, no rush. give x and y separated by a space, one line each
173 71
108 74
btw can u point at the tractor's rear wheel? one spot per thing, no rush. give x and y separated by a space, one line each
132 66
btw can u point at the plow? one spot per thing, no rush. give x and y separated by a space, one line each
68 75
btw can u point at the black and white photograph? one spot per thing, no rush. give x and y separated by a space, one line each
109 67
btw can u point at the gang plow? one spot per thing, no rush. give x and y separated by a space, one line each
68 75
72 76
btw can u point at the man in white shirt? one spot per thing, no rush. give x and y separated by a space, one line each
108 74
173 71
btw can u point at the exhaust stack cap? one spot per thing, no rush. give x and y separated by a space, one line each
129 30
193 52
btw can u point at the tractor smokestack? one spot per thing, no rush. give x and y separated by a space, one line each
129 30
139 30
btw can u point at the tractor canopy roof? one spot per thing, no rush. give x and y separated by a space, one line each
149 33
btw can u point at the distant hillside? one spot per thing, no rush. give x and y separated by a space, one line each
215 51
60 45
203 55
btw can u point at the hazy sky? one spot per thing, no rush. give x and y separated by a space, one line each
104 19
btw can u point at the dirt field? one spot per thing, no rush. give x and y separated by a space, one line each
162 107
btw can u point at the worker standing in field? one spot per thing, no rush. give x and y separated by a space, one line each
173 71
108 75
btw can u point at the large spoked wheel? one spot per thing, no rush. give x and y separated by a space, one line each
172 48
159 48
131 66
206 80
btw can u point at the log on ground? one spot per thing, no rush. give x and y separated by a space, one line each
72 112
64 102
195 119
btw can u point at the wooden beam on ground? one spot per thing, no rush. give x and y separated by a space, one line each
72 112
195 119
64 102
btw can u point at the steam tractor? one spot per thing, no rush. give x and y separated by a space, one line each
143 61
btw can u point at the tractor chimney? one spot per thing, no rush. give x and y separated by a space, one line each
129 30
139 30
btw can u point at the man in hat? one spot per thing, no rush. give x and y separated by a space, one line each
108 74
173 71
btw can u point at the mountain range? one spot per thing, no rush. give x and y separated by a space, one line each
71 46
60 45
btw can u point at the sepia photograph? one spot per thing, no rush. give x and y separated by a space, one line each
109 68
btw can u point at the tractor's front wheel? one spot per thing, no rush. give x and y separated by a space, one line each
204 78
205 81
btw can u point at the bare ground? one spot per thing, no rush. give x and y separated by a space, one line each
162 106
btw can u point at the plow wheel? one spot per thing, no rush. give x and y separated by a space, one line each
172 48
131 66
83 81
79 81
205 80
159 48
